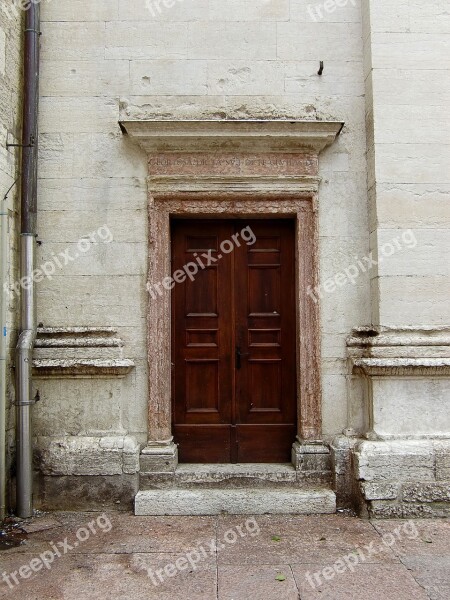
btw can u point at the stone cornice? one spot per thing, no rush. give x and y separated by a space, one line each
79 352
403 351
157 136
402 367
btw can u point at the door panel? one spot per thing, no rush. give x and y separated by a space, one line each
265 325
233 340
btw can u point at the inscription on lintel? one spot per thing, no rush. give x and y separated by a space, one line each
233 164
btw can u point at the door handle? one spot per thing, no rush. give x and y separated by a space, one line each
239 355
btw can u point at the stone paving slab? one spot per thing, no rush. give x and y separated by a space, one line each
303 540
369 582
426 537
431 572
104 576
257 583
227 558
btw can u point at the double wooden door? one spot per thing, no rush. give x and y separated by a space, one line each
233 340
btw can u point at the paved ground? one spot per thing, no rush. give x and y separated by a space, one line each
119 556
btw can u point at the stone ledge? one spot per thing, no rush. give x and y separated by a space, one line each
248 475
403 351
73 368
394 367
79 352
232 135
237 501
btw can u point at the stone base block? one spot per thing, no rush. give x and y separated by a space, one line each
342 474
404 478
98 492
159 459
237 502
395 460
78 455
395 509
312 461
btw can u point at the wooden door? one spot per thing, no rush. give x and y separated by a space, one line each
233 340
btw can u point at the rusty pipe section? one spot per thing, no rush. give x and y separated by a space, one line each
24 348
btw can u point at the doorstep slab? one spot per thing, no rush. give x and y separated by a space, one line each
221 476
242 501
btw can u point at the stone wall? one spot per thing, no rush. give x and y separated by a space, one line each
405 358
10 132
407 94
384 184
108 59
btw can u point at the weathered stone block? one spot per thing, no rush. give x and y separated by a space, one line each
73 455
168 76
311 457
432 492
380 491
145 40
410 406
209 40
85 492
333 41
159 459
428 510
442 449
385 509
399 460
341 464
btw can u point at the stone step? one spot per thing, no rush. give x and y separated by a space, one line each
227 476
239 501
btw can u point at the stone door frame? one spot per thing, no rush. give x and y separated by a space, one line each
265 171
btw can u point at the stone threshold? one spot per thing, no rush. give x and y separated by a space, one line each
224 475
246 488
239 501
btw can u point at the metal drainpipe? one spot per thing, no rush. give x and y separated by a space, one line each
3 351
24 348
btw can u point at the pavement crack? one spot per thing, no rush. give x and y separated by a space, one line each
415 579
295 583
